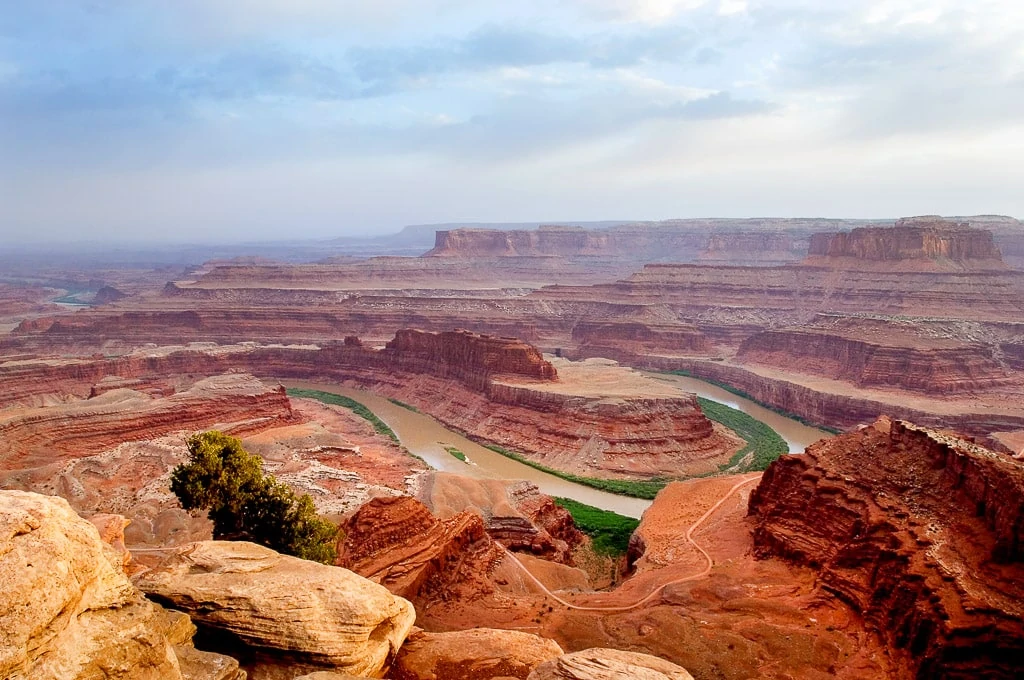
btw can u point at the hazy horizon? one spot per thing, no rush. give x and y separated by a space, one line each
220 122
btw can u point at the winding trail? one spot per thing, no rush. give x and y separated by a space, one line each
657 591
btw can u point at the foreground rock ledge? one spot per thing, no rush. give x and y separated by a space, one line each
66 609
477 654
609 664
321 615
920 531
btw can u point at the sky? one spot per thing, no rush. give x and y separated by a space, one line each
224 120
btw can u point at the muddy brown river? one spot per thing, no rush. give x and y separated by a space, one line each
426 437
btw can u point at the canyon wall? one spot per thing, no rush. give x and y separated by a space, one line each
994 295
746 241
640 337
496 389
38 436
547 240
919 531
893 360
470 358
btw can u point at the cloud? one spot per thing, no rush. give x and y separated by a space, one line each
555 97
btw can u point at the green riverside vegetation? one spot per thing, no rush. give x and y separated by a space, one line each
740 393
763 446
338 400
624 487
408 407
763 443
359 409
608 531
456 453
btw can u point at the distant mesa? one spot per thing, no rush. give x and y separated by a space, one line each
545 241
926 243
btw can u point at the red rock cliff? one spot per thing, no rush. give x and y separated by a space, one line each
468 357
918 531
912 240
874 356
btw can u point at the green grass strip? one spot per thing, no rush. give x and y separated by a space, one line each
740 393
407 407
609 531
338 400
648 488
762 441
456 453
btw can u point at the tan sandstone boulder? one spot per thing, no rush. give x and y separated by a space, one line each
316 614
67 611
477 654
609 664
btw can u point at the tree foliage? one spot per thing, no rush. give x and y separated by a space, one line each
246 504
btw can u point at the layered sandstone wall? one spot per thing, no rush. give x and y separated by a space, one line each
899 361
37 436
754 248
516 514
993 295
468 357
834 409
919 531
752 241
470 243
640 337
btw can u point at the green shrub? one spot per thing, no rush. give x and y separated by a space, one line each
609 531
245 504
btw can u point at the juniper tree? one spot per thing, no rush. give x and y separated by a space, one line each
228 482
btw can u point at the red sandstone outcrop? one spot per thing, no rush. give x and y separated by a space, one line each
397 542
468 357
919 531
114 453
752 241
842 405
988 294
475 654
547 240
316 616
517 515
